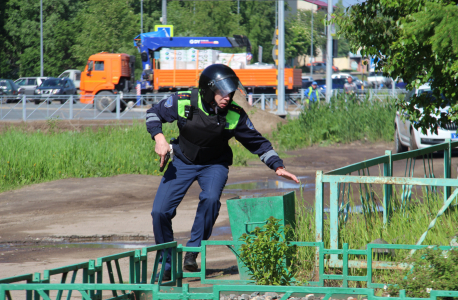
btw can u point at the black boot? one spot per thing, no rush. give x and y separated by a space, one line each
190 263
167 276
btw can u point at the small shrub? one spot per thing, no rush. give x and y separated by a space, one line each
267 254
435 269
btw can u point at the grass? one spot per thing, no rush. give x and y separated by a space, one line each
405 227
28 158
340 121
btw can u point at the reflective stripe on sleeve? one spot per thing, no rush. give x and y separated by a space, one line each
265 157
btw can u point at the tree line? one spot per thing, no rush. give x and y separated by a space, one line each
73 30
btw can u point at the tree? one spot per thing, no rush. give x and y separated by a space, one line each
298 34
22 26
415 40
107 25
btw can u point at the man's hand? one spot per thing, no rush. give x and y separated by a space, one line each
285 174
162 147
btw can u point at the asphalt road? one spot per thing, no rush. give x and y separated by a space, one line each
16 112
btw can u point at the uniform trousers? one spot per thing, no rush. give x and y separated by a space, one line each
172 189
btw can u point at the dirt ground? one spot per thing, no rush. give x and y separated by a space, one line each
68 221
57 223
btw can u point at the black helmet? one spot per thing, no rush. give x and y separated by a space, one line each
219 79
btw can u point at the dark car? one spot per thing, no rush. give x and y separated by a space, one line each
306 83
10 91
55 89
337 84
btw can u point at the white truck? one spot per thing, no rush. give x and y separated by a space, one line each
74 75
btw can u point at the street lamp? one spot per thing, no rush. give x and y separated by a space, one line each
141 13
41 38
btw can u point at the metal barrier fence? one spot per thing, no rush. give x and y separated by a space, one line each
104 107
136 285
339 181
109 107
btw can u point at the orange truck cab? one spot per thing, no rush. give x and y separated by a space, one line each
107 74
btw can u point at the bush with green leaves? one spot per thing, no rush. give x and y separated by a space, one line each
432 270
267 254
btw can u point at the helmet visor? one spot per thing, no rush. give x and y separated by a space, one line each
225 86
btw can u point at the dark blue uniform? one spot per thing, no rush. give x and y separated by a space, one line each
212 177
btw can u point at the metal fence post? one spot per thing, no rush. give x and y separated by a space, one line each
387 172
263 102
447 168
70 114
118 106
24 110
334 216
319 202
271 103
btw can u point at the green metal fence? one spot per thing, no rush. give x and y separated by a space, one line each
341 179
93 285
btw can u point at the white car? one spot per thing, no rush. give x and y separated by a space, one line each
376 79
341 75
407 137
74 75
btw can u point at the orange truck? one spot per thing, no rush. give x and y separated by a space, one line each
109 74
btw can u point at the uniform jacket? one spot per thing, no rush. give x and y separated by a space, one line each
238 125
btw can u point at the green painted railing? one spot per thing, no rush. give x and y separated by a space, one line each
92 283
340 180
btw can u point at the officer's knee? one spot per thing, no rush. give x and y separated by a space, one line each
158 214
213 199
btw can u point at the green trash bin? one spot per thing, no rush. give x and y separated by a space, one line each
248 213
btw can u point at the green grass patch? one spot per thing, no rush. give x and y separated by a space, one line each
405 227
339 121
34 157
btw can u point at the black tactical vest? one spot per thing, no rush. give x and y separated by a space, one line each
201 139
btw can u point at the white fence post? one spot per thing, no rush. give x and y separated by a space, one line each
24 110
70 114
118 106
263 102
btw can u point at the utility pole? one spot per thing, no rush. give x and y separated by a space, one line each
164 12
281 58
41 38
238 6
141 13
311 50
329 55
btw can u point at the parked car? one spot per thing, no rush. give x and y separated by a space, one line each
306 83
55 89
377 79
407 137
74 75
307 78
337 84
341 75
10 91
320 67
29 84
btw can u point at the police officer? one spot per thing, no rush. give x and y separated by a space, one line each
207 119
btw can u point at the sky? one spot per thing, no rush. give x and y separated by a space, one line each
347 3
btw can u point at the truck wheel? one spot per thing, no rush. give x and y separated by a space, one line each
105 101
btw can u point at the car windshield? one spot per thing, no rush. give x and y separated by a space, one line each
53 82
